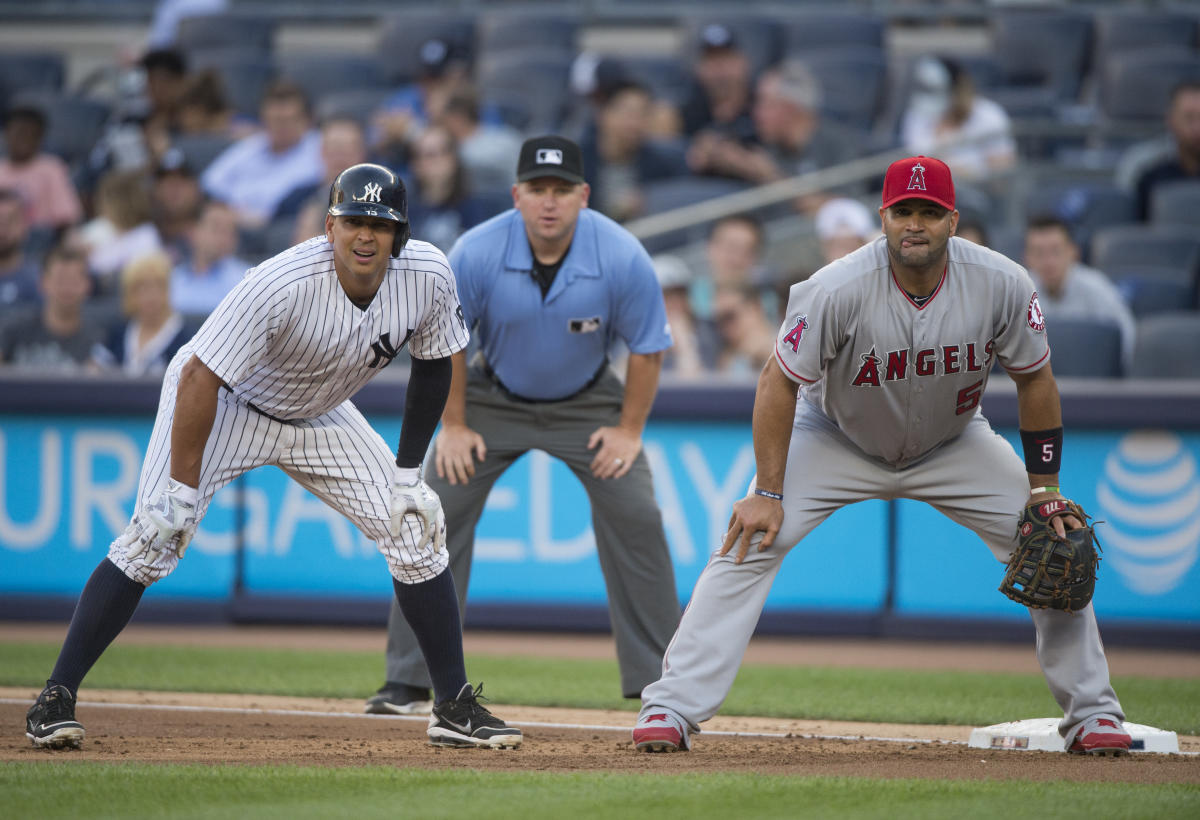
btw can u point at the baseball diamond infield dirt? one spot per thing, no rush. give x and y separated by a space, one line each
159 727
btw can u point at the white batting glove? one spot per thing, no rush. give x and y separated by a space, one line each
412 496
167 522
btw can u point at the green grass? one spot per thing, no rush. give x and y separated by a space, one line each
897 696
94 790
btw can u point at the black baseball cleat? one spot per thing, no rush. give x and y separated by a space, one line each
464 722
50 723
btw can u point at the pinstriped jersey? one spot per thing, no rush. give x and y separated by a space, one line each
289 341
901 378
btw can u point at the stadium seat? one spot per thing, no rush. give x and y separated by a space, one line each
1046 48
1176 203
1085 206
321 74
73 124
534 83
359 105
759 38
853 83
200 149
1166 346
1148 289
1137 85
1130 247
669 194
1085 348
807 31
244 74
526 32
210 31
404 34
1122 30
668 77
30 71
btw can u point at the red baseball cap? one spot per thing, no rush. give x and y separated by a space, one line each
918 178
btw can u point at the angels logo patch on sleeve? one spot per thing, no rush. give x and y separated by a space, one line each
793 336
1034 315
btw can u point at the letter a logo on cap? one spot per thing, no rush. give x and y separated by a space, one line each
549 156
917 181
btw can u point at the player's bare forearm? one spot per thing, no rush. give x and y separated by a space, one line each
774 410
641 385
195 410
455 411
457 446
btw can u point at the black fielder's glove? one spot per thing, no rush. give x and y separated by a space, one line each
1047 571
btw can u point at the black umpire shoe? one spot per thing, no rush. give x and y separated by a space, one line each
50 723
399 699
465 722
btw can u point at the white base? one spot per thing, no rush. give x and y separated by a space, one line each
1041 735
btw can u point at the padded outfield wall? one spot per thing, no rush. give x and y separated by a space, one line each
269 551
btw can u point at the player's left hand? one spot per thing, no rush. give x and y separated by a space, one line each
752 515
1061 522
412 496
618 448
167 522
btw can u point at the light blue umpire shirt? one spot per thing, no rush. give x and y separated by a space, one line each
551 349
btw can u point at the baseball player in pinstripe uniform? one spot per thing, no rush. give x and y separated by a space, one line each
890 348
267 380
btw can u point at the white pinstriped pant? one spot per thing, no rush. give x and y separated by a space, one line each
337 456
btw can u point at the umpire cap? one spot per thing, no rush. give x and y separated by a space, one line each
550 156
368 189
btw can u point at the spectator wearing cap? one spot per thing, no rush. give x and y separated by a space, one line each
844 225
547 288
175 199
620 156
18 268
57 337
255 173
122 229
152 332
42 179
721 95
488 149
972 134
212 267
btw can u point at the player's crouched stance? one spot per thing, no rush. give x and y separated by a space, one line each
243 393
890 348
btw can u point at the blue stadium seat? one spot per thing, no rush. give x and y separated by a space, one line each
1176 203
1136 85
1085 206
1130 247
358 105
245 75
1166 346
504 31
73 124
210 31
811 30
1085 348
535 81
30 71
1046 48
200 149
669 194
853 83
1148 289
405 32
1122 30
321 74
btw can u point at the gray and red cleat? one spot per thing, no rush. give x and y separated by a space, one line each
1101 735
658 730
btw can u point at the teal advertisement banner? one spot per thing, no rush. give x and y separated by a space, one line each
67 486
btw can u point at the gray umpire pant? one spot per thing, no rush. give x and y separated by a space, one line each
643 604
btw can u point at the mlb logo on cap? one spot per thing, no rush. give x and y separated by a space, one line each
549 156
918 178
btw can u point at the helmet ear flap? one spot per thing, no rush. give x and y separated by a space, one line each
403 233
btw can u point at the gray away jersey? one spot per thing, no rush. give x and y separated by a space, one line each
899 379
288 340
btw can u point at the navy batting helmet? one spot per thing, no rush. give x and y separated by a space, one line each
367 189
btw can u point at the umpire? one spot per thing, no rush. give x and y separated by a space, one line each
546 288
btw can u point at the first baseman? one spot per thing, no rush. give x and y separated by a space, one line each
267 380
890 348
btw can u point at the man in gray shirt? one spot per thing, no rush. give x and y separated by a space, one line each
57 337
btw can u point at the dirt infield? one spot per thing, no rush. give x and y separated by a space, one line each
205 728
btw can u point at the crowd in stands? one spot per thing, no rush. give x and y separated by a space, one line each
125 218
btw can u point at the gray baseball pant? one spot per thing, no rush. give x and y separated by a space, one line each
643 603
976 480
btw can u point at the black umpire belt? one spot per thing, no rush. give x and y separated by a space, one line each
253 407
494 379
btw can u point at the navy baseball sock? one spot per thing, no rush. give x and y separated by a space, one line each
431 609
105 606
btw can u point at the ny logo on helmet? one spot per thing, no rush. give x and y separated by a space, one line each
917 181
371 193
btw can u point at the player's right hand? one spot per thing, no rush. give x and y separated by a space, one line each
455 451
752 515
167 522
412 496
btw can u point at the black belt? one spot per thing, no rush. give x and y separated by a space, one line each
256 409
494 379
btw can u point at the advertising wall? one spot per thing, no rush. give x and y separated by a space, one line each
67 485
